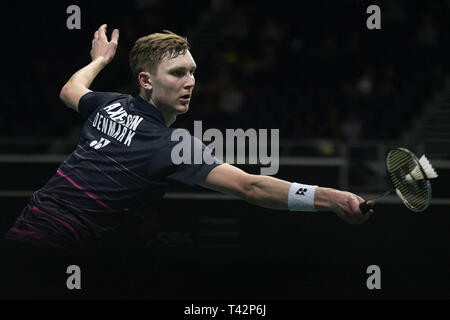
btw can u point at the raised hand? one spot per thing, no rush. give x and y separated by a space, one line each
101 47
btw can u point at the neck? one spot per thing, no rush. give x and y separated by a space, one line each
168 117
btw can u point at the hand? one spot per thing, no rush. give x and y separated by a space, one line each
344 204
101 48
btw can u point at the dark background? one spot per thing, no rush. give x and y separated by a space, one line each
311 69
301 68
227 250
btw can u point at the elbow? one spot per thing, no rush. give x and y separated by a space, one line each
63 94
67 96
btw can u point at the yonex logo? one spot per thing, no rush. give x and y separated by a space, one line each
301 191
99 144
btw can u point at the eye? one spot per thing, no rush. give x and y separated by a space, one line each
178 73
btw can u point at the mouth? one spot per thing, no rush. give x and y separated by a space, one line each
185 99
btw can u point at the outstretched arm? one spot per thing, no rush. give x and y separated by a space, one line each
102 53
270 192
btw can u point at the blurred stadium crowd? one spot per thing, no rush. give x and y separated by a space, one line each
312 70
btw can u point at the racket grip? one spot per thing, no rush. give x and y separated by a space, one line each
366 206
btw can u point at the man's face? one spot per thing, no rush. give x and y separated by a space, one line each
173 82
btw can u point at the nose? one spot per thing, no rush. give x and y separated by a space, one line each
190 82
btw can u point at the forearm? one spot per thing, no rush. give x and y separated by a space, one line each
273 193
270 192
102 52
86 75
78 85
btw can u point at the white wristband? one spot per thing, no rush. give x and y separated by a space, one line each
301 197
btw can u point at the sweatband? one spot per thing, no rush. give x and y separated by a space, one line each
301 197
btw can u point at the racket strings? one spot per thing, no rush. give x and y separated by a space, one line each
416 193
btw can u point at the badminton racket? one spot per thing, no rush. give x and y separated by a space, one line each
410 178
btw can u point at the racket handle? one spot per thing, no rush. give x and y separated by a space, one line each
366 206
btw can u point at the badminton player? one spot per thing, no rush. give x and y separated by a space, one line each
123 159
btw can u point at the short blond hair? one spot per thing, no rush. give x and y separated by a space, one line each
150 50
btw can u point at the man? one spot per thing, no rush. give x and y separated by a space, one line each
123 158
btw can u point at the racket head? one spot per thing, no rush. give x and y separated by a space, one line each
416 195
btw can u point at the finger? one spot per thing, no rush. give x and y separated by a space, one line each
115 36
361 204
355 198
364 207
102 31
355 202
96 35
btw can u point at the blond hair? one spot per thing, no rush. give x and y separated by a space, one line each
150 50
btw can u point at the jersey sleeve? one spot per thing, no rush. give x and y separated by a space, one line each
90 101
190 168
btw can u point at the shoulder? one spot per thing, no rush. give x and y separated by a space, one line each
93 100
98 98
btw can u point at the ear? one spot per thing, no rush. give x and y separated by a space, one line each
145 80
